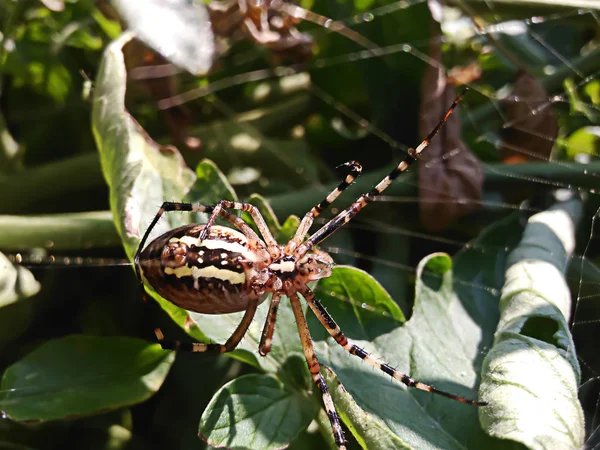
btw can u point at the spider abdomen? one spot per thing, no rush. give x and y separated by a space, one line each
210 277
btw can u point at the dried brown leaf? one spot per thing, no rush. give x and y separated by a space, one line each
450 176
531 127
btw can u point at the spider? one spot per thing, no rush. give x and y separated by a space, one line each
261 23
213 269
272 24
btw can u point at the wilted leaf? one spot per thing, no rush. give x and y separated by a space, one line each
153 76
80 375
531 126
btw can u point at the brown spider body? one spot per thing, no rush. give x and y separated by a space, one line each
224 272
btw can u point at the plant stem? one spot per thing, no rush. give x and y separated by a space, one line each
69 175
71 231
80 231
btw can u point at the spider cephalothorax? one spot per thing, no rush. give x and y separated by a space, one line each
217 270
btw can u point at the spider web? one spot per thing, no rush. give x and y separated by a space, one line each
531 118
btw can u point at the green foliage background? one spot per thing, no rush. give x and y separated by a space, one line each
81 350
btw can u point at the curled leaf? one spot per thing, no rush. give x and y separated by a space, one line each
531 375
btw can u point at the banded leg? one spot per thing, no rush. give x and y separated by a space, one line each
335 26
346 215
197 347
334 330
266 340
313 366
354 170
250 209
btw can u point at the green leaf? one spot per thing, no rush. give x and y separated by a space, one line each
585 140
531 375
16 282
140 174
592 89
281 233
438 345
80 375
361 291
58 82
211 185
366 428
285 340
256 412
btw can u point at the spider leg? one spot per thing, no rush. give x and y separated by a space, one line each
354 170
346 215
267 334
335 26
229 345
313 366
334 330
239 223
254 213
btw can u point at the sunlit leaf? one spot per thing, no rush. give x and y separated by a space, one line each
585 140
256 412
211 185
361 291
16 282
140 173
179 30
592 89
438 345
531 375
